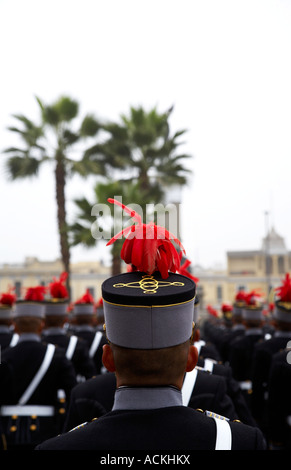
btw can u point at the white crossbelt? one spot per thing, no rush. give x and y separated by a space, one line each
71 347
198 345
27 410
39 375
188 386
246 385
95 343
208 365
14 340
223 434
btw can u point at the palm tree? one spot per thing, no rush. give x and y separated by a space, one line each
142 148
146 163
53 139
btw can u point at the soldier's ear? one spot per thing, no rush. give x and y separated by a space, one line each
107 358
192 358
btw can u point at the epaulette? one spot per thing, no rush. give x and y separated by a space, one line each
211 414
79 426
82 425
202 368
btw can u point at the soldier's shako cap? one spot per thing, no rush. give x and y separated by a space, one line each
84 305
59 301
226 309
148 312
253 308
238 304
32 305
151 307
7 302
282 304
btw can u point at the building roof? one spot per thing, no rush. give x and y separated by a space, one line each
274 244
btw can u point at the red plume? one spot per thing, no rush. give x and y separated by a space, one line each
284 291
251 298
7 298
240 296
211 310
148 247
226 308
99 303
85 299
35 293
58 289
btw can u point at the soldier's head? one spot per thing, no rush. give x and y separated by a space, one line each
149 313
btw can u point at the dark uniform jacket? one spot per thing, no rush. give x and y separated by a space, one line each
83 364
241 353
225 339
279 403
233 389
95 397
22 363
88 334
207 349
262 359
153 419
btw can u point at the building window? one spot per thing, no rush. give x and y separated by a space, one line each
219 293
17 286
269 265
281 265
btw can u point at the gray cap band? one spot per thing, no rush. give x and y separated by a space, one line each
282 315
237 311
252 313
55 308
6 313
155 327
29 309
83 309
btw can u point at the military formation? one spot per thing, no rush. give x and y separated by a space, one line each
140 370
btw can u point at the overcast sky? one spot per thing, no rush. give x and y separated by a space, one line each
225 65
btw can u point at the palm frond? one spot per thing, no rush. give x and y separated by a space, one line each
22 167
90 126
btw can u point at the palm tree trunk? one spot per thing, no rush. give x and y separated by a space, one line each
116 260
61 217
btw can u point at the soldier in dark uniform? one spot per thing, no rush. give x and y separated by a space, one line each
265 349
212 327
149 324
29 410
8 337
96 397
237 327
233 389
278 408
242 347
83 326
206 349
56 316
